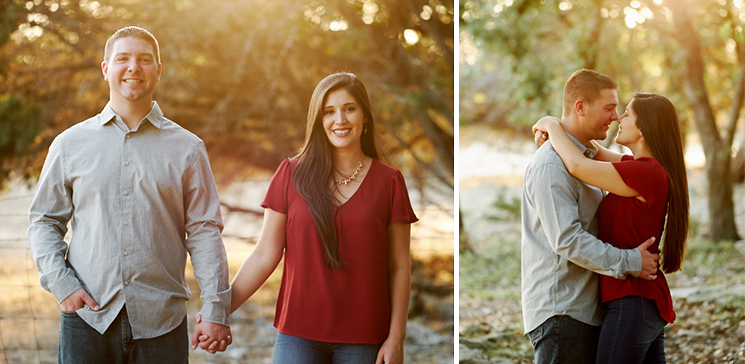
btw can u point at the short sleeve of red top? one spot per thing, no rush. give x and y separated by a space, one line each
626 222
350 305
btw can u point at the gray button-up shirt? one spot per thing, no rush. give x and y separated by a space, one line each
560 252
138 201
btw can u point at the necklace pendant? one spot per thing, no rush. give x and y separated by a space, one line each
357 171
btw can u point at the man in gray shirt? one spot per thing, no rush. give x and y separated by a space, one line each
560 253
139 193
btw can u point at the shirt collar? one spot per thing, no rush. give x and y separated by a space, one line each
155 116
588 150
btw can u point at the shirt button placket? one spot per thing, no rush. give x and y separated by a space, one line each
127 182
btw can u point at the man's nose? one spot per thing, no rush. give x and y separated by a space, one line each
133 65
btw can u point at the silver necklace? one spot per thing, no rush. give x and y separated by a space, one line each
353 176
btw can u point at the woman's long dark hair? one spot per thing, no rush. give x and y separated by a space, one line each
658 122
314 169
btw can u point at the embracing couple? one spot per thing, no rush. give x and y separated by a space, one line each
591 288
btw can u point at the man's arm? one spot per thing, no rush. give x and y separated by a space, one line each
553 192
49 214
203 226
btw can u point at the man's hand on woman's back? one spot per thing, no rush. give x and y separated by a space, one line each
650 261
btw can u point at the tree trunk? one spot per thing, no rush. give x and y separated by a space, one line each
721 206
738 165
463 244
718 156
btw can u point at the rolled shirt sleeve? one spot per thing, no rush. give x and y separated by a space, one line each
204 242
49 214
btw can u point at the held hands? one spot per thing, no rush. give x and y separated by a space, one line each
78 300
211 337
391 352
649 261
540 129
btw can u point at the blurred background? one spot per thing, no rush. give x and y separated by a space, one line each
514 58
239 74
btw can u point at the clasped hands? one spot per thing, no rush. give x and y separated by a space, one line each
540 129
211 337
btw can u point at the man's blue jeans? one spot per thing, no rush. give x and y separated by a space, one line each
633 332
80 343
562 339
294 350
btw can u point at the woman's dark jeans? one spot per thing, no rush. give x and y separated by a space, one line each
633 332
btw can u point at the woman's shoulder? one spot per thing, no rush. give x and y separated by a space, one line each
383 170
652 164
287 163
284 170
645 168
383 165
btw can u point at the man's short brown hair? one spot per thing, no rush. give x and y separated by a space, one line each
585 85
134 32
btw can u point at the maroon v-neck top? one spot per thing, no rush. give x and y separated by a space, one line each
350 305
626 222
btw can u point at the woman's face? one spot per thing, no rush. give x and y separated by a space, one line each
343 120
628 133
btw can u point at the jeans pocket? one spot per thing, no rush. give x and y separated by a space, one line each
70 314
536 335
651 314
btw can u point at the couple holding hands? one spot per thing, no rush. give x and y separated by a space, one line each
139 194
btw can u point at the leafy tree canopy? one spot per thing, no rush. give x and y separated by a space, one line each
240 73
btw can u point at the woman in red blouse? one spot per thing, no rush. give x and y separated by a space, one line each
342 219
647 194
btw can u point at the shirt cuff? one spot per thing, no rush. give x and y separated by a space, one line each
216 308
65 286
635 262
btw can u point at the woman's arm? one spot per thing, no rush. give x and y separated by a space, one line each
253 272
399 290
263 260
604 154
597 173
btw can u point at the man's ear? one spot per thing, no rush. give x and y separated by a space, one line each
104 69
579 107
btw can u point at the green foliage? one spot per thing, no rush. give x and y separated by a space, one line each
19 128
508 207
500 345
243 83
714 262
734 304
520 53
19 125
493 272
11 14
